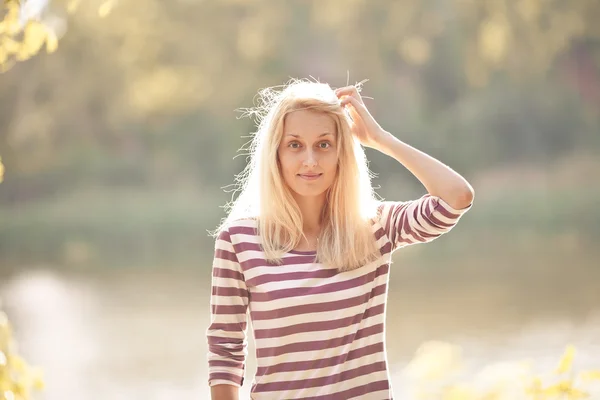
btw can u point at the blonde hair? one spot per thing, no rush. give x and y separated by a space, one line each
347 239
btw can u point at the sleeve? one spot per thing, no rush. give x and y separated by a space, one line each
227 332
417 221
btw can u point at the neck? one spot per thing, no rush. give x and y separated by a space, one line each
311 209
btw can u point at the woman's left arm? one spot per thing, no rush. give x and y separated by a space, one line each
439 179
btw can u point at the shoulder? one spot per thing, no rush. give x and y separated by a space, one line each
236 237
238 230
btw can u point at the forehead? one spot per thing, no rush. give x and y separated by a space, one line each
307 123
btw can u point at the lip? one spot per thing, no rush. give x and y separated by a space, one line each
310 177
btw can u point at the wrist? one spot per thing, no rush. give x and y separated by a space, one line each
384 141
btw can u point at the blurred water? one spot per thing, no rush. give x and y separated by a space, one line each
139 334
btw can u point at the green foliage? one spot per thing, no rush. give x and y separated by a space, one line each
18 380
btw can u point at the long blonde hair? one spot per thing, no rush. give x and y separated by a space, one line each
347 240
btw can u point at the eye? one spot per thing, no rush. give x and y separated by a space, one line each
325 145
294 145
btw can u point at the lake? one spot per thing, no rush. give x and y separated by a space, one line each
139 333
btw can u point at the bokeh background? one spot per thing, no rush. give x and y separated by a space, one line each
120 147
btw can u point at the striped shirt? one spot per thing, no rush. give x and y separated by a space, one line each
319 333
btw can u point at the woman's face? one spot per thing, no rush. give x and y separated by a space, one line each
307 152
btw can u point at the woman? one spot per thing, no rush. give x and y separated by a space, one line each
306 249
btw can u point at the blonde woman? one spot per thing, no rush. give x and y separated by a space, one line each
305 251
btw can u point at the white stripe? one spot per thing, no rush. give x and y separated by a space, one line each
228 318
283 304
309 355
322 390
328 371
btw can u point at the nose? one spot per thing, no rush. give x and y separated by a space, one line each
310 160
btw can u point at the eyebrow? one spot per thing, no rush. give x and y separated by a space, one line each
321 135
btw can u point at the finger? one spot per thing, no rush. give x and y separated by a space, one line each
348 91
355 105
349 99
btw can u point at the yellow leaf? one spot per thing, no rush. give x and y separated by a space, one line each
434 360
460 392
10 23
34 37
566 362
10 45
18 364
536 387
590 375
1 165
7 65
106 8
565 389
72 6
37 379
51 43
23 54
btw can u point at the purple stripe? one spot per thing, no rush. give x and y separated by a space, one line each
227 309
290 276
229 291
227 273
246 246
321 363
386 248
379 233
427 215
243 230
222 254
417 225
225 236
433 219
409 229
322 381
318 344
335 305
261 262
227 327
225 363
227 341
354 392
314 290
318 326
229 353
226 377
426 235
445 212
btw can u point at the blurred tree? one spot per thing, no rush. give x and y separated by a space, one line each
139 87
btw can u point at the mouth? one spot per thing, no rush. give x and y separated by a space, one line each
310 177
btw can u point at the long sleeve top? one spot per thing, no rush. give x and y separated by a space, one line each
319 333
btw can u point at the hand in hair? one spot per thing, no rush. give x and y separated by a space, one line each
364 127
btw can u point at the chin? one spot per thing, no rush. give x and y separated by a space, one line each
309 192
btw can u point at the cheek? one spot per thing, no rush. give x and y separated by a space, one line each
330 162
286 164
